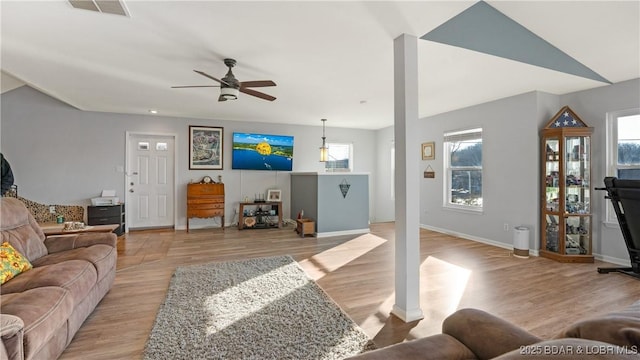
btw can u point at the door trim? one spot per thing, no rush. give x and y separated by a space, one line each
127 172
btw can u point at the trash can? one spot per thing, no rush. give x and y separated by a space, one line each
521 241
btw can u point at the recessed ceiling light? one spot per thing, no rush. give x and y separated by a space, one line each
153 111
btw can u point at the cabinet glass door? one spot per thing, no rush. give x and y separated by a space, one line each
552 233
578 237
552 173
576 171
577 196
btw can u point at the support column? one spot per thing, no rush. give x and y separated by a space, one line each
407 186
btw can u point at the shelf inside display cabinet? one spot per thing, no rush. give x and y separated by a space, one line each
566 196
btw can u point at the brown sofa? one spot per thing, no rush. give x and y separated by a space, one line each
475 334
41 309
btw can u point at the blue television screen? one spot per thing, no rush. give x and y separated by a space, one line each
262 152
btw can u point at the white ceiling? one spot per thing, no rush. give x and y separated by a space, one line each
330 60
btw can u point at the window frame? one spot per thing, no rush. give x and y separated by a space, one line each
448 173
612 166
333 169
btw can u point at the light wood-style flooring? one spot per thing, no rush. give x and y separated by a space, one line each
357 271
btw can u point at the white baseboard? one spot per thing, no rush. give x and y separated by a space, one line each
474 238
341 233
612 260
608 259
407 315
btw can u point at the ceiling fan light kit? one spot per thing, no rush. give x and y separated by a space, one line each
230 87
228 93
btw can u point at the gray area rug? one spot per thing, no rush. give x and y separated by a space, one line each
264 308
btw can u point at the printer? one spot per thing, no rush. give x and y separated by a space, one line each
107 197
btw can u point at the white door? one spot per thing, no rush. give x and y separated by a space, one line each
150 181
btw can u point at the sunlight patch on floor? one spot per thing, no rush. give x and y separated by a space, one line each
332 259
251 295
442 286
443 282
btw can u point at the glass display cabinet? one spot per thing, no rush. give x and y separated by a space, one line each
565 194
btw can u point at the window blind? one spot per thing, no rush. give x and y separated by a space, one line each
463 135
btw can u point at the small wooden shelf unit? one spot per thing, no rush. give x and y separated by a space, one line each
205 201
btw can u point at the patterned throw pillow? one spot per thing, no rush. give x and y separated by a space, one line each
12 262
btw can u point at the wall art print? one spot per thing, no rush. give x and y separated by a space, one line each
205 147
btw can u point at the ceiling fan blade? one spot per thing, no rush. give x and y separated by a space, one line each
257 94
212 78
193 86
257 83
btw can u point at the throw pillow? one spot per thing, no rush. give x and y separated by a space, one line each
12 262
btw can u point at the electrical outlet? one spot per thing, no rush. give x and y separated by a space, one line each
52 209
506 227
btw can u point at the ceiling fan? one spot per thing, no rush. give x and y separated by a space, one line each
230 87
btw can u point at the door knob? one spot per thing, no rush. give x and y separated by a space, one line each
130 190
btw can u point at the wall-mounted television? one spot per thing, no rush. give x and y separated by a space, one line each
262 152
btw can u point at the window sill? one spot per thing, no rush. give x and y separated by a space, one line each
464 209
611 225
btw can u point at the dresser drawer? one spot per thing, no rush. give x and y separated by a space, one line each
103 211
205 213
104 220
205 189
199 203
205 200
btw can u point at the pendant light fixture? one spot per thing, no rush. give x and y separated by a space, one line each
324 151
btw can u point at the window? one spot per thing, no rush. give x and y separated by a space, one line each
623 149
340 157
463 164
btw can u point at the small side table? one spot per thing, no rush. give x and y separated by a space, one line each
305 227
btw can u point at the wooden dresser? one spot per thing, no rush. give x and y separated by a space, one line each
205 201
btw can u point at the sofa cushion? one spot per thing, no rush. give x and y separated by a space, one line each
44 311
12 263
76 276
103 258
620 328
21 230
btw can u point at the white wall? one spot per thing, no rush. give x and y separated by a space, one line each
385 208
510 160
61 155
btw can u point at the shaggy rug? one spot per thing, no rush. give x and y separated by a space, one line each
265 308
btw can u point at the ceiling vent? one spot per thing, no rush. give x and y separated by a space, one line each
115 7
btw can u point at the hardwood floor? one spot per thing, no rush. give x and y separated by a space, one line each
538 294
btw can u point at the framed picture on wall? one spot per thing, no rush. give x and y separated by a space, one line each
205 147
429 151
274 195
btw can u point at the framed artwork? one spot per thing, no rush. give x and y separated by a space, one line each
429 150
274 195
205 148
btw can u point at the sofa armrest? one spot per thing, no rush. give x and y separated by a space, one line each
59 243
11 333
486 335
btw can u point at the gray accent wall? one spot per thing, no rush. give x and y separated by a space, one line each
63 155
320 197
